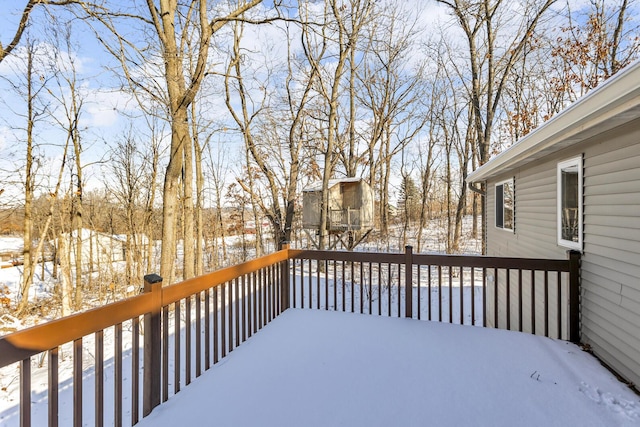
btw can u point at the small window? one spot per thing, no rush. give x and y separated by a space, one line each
504 205
570 203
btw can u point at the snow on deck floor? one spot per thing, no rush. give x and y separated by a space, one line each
317 368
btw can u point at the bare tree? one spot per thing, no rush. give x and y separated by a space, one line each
392 90
173 23
494 49
252 104
24 22
134 170
31 85
593 45
337 35
490 64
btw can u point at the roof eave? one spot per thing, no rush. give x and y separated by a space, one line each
584 118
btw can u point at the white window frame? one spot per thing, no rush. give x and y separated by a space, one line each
575 162
513 208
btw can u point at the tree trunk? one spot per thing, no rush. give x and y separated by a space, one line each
27 238
65 276
188 213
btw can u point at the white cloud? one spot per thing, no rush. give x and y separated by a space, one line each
103 107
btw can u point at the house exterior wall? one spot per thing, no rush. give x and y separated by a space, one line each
97 248
610 297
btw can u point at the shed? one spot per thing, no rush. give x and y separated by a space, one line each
351 206
574 184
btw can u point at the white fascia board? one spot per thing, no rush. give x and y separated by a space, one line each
615 97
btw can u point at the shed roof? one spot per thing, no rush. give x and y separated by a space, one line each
615 102
317 186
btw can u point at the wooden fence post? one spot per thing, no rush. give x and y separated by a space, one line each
152 345
574 296
408 281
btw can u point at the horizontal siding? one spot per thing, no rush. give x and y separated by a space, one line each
624 165
605 321
611 350
611 262
600 263
614 231
611 257
618 221
615 199
600 184
606 277
626 250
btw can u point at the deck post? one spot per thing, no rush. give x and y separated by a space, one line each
284 280
574 296
152 345
408 281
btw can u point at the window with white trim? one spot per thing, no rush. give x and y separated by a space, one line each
504 205
570 203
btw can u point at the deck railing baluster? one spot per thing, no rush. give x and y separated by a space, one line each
117 377
223 320
77 382
508 294
546 303
439 293
207 329
198 357
187 341
236 294
496 298
99 378
335 286
165 353
473 296
461 287
25 392
559 304
53 386
533 302
520 300
216 328
135 370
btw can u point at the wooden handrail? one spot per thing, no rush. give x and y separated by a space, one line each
36 339
31 341
436 259
178 291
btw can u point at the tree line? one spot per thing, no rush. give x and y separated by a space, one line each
243 103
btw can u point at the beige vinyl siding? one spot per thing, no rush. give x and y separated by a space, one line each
610 296
611 261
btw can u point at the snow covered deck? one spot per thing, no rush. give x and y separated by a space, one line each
318 368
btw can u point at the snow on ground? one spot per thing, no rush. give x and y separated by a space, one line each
316 368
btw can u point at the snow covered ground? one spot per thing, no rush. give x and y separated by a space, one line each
317 368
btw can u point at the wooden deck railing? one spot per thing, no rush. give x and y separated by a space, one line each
527 295
189 326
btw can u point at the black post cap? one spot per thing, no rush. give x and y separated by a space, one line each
152 278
